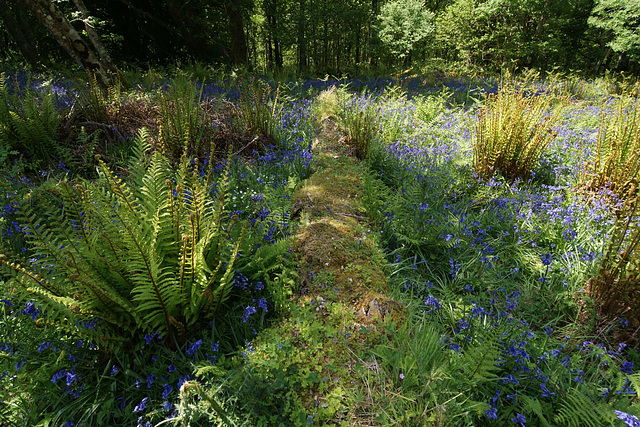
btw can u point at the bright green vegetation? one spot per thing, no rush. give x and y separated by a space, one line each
355 252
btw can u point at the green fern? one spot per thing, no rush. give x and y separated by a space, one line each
143 255
579 410
258 110
479 362
533 405
29 121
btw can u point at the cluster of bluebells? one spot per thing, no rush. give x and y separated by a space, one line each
469 237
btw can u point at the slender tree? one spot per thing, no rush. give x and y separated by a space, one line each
236 29
66 35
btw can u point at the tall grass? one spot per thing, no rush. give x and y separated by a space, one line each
514 128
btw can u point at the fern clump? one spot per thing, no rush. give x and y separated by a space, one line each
258 109
513 130
358 118
29 122
183 124
616 287
617 156
132 257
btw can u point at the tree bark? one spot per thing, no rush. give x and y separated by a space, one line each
302 41
14 18
105 59
236 28
51 17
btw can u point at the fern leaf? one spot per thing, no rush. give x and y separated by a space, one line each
578 410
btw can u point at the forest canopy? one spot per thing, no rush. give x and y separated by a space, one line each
315 37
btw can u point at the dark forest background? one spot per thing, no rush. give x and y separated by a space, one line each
317 37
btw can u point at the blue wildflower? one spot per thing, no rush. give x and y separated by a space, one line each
58 375
627 367
31 310
194 347
142 406
628 419
262 303
433 303
519 419
248 311
492 413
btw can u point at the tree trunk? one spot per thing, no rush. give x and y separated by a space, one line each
105 59
236 28
302 42
14 19
183 16
51 17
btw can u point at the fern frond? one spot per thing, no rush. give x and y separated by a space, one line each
531 404
223 290
480 357
579 410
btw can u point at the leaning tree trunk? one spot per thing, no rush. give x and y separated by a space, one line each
105 59
51 17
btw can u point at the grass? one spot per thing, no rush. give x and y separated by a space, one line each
396 290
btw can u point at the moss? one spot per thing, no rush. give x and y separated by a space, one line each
341 300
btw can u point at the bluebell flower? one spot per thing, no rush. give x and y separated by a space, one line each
194 347
31 310
58 375
545 391
149 337
628 419
248 311
492 413
71 377
627 367
45 345
142 406
262 303
519 419
166 390
433 303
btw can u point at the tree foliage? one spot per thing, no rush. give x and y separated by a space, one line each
333 36
402 25
621 21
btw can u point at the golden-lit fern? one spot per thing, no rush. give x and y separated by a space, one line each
147 254
513 129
